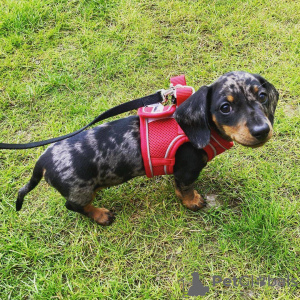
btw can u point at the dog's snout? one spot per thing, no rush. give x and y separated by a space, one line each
260 132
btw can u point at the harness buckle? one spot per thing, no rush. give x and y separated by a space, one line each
170 94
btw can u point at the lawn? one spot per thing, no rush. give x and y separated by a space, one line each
63 62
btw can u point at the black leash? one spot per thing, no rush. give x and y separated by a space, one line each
122 108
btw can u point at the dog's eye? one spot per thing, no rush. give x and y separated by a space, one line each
263 98
226 108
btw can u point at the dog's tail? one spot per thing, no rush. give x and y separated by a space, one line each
33 182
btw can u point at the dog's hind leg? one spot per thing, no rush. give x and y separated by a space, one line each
33 182
101 216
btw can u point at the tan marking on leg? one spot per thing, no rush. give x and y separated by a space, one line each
190 199
101 216
177 193
44 172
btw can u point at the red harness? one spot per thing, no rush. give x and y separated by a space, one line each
161 135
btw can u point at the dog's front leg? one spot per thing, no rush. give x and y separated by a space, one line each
190 197
189 162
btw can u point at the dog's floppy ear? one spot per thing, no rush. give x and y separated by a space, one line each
191 116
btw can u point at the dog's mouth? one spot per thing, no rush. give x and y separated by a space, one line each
243 136
257 145
251 142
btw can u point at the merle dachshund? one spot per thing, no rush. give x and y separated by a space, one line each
239 106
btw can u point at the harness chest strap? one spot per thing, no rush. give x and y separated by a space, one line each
216 145
161 135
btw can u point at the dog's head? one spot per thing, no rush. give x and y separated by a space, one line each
239 105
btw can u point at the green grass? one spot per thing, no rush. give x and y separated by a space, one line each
63 62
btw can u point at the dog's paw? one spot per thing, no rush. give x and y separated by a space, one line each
196 203
104 217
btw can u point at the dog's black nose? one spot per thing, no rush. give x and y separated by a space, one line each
260 132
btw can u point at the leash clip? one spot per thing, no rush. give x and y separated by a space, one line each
170 94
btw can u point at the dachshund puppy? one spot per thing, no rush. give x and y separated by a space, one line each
239 106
